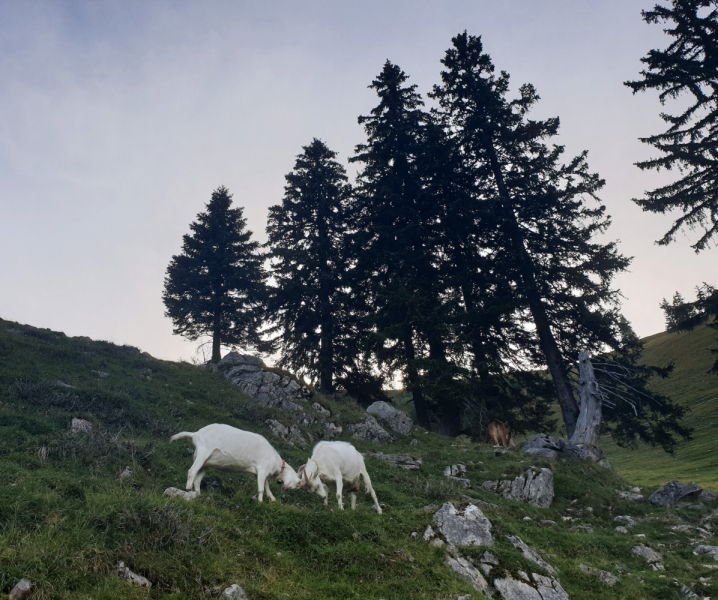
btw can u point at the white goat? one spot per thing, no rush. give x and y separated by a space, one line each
339 462
227 448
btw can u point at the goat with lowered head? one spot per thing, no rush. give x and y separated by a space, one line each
337 462
227 448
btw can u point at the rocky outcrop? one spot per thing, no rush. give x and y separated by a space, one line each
536 487
400 461
174 492
268 389
603 576
463 527
545 446
131 577
675 491
393 417
371 431
629 521
652 557
455 471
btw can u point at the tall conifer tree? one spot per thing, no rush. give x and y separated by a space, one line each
545 228
396 269
216 286
688 68
306 237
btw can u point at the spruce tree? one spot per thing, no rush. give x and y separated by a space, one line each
216 286
545 229
686 68
397 270
306 238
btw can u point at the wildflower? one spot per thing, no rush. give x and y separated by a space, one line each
279 554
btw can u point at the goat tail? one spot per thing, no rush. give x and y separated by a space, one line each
182 435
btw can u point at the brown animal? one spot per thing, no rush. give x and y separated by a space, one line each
500 433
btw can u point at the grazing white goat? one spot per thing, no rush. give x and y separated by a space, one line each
227 448
337 462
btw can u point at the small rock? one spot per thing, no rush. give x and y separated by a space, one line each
629 521
78 425
630 496
21 591
324 412
465 483
124 572
332 431
234 592
652 557
455 471
101 374
585 527
489 559
604 576
413 442
64 384
549 589
622 529
704 496
688 593
174 492
126 473
437 542
547 522
429 533
414 535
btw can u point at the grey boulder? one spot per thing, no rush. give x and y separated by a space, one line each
393 417
536 487
530 554
675 491
545 446
652 557
467 527
235 359
131 577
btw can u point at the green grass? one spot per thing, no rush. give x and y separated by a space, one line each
692 386
66 517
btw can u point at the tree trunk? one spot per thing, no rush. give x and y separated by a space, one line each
216 341
554 360
422 412
326 358
589 419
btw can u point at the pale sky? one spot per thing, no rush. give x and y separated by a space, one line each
119 119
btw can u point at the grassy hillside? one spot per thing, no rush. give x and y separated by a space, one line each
67 518
692 386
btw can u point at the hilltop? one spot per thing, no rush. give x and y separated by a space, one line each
72 505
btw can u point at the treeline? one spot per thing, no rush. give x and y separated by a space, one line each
466 257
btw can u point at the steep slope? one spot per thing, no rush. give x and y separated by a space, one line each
67 517
692 386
